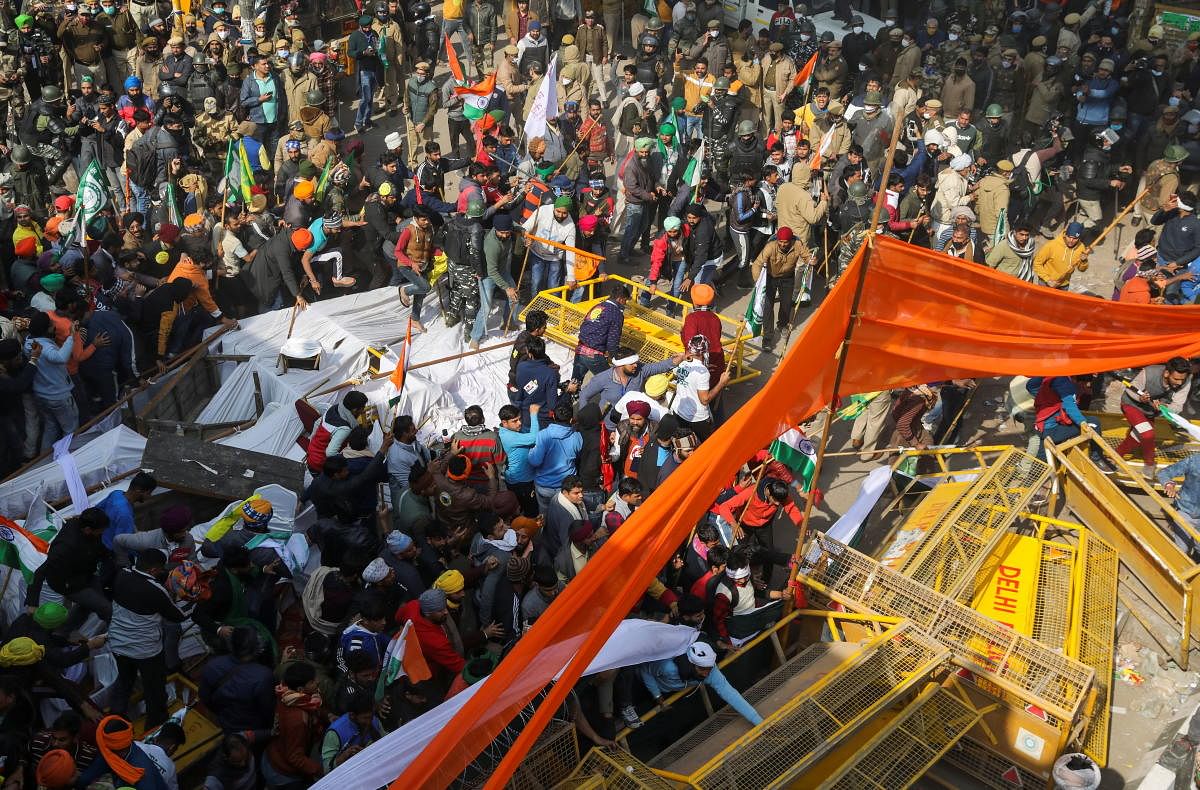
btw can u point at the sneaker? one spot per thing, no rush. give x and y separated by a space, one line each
1150 472
1103 465
629 715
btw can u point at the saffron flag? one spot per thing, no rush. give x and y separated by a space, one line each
796 452
754 308
805 73
403 658
822 149
452 56
21 550
401 370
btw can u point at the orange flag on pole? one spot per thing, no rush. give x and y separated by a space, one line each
452 56
806 72
401 370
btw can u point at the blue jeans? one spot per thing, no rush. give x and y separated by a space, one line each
689 126
637 217
59 417
708 271
545 274
449 28
141 198
366 92
676 282
585 364
414 285
487 287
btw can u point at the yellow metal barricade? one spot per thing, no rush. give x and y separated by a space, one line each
617 770
649 331
552 759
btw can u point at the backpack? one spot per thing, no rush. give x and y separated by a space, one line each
142 160
458 231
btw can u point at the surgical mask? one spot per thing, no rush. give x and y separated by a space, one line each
1008 64
1116 127
906 42
283 53
223 34
862 66
1156 73
1016 28
1173 101
952 36
423 78
857 29
110 10
805 37
713 33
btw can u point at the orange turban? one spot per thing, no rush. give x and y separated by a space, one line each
56 769
115 734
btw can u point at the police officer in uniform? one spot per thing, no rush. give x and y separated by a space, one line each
652 68
853 221
44 130
466 274
718 114
747 153
12 91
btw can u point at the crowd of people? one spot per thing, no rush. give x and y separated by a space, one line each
165 176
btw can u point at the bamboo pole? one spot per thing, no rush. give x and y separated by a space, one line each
916 224
520 279
844 349
1115 221
387 374
296 306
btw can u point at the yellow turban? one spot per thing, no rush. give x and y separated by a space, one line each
22 652
450 582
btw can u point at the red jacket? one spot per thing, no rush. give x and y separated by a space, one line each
706 322
298 732
435 645
757 511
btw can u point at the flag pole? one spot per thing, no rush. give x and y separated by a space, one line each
843 352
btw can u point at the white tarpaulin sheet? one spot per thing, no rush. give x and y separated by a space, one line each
633 642
435 396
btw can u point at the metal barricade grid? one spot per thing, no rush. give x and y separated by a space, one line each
1095 632
1052 615
551 760
908 746
1014 662
759 691
618 769
792 738
989 768
951 553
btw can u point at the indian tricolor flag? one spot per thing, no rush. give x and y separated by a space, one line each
403 658
477 97
803 76
1179 423
756 307
21 550
796 452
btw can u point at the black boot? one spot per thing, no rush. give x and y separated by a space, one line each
744 280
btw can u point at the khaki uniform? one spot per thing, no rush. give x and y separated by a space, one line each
392 37
296 88
12 97
797 210
148 71
779 72
212 133
594 46
991 198
1162 179
750 74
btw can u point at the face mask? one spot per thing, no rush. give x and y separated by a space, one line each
283 53
422 78
906 42
953 37
110 10
1008 64
805 37
1016 28
713 33
223 34
1116 127
889 23
1173 101
862 66
1156 73
857 30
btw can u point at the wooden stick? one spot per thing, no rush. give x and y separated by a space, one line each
920 213
520 278
296 306
844 348
1116 220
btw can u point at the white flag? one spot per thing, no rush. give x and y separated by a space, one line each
544 103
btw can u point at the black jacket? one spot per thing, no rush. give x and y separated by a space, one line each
335 498
240 694
70 564
1180 238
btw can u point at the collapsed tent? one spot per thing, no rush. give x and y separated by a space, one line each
921 317
344 328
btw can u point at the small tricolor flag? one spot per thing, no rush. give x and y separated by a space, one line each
403 658
21 550
401 369
796 452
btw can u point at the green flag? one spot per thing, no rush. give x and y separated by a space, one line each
230 195
90 198
323 182
754 308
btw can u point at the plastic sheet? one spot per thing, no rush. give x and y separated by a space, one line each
923 317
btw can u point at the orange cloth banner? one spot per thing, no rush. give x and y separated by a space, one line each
923 317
